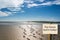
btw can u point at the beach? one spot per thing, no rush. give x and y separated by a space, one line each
22 31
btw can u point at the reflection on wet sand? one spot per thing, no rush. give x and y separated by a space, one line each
22 32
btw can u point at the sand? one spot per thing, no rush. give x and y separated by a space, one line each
22 32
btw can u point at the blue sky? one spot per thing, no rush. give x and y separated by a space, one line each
30 10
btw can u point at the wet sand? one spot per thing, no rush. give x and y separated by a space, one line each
21 32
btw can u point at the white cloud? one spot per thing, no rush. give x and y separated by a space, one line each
4 14
15 5
43 4
18 3
57 2
28 1
14 8
10 3
41 0
49 3
32 5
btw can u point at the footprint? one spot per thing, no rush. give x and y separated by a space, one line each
40 39
24 30
28 39
42 35
23 36
24 33
34 36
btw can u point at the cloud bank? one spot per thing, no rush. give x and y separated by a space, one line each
15 5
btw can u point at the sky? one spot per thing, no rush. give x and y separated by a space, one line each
29 10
